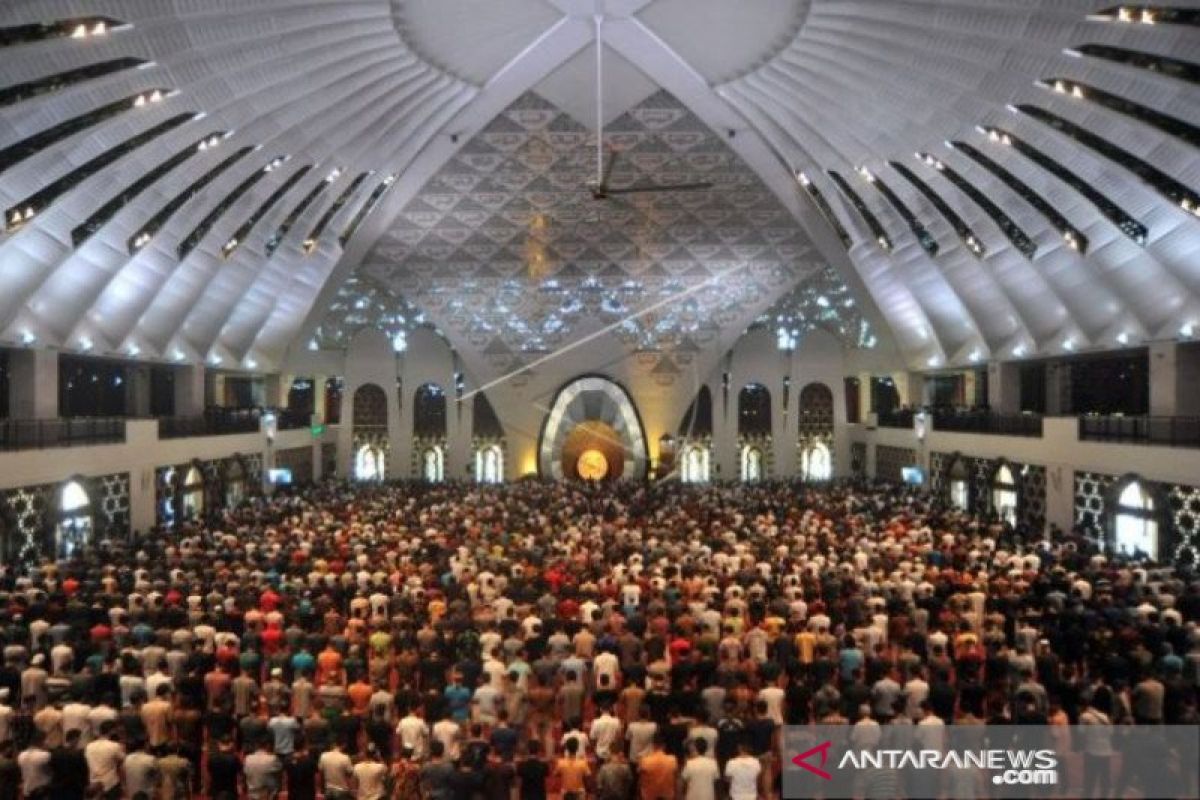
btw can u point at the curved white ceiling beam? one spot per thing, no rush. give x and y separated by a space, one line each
803 83
945 318
378 130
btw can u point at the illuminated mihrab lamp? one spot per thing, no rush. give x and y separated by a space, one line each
592 465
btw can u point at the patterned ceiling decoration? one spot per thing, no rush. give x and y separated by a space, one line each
507 251
821 302
363 303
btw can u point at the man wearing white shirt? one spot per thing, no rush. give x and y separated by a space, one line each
414 735
448 732
605 732
700 774
742 772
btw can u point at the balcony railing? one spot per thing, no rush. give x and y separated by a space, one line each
219 421
1164 431
977 421
987 422
897 418
37 434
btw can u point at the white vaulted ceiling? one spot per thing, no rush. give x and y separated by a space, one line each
360 91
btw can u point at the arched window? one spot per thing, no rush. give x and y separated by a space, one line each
431 464
752 464
960 495
1004 495
429 412
754 410
235 484
369 463
74 520
1136 528
816 463
167 509
193 494
695 465
489 465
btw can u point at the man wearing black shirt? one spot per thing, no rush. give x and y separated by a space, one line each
69 770
301 772
224 772
532 772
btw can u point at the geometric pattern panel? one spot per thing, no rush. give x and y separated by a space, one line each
889 461
1184 505
858 459
507 252
29 507
1091 489
110 502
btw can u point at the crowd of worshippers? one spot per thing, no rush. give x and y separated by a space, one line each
560 640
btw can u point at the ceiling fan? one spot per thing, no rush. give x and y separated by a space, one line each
600 189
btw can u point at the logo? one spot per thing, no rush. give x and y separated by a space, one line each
822 749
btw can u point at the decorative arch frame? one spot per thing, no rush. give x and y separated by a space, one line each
227 478
1017 487
592 397
1167 539
359 404
55 514
958 460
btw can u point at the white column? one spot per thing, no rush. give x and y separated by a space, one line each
189 390
33 378
460 427
1004 387
137 390
400 426
725 455
319 409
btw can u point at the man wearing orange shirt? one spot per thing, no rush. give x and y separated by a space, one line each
658 772
573 772
329 664
359 694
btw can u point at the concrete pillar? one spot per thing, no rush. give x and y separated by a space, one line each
1164 379
33 378
399 432
1174 379
864 396
1004 387
460 418
1058 389
785 434
319 397
276 389
214 389
345 437
910 388
142 496
137 390
189 390
970 387
725 455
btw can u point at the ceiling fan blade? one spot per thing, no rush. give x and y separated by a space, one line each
678 187
608 170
